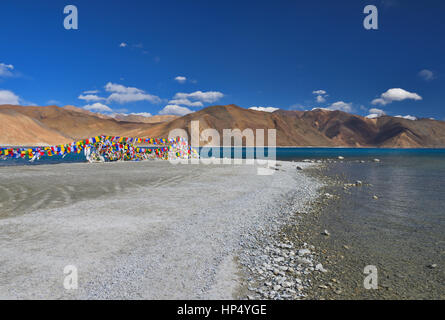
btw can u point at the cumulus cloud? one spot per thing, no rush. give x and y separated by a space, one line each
181 79
143 114
175 110
9 97
186 102
408 117
426 74
123 45
264 109
208 96
122 94
90 97
375 113
321 99
321 95
6 70
98 107
340 105
395 94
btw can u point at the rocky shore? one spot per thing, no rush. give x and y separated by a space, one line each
276 261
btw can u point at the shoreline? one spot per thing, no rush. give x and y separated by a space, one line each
214 232
140 230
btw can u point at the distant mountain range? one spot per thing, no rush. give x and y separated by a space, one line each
59 125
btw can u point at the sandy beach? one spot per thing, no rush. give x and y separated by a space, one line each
143 230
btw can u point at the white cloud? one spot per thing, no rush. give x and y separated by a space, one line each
186 102
175 110
340 105
426 74
208 96
122 94
123 45
408 117
375 113
143 114
91 92
90 97
98 107
6 70
181 79
264 109
321 99
395 94
9 97
318 108
321 95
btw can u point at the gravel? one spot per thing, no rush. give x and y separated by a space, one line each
152 230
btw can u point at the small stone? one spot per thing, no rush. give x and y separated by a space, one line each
376 160
304 261
346 247
358 183
319 267
302 252
375 197
287 284
299 168
432 266
325 233
277 287
341 158
322 286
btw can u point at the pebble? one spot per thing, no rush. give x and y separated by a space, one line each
432 266
302 252
325 233
319 267
375 197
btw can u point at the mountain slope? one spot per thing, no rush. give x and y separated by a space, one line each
294 128
18 129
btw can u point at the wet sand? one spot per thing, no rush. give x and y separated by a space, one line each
149 230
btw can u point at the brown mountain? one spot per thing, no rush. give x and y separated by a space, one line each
55 125
49 125
313 128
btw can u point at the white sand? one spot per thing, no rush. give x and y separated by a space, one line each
147 230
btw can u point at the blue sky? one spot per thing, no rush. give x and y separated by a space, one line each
126 56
